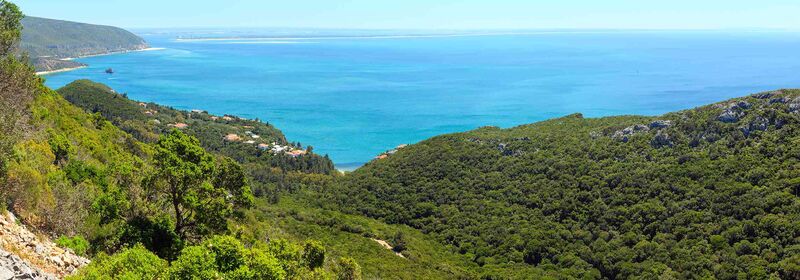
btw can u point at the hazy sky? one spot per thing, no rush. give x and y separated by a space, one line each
426 14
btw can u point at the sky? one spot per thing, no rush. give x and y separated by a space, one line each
426 14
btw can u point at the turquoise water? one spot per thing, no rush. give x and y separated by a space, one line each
354 98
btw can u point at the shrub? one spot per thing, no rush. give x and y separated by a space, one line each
314 254
133 263
348 269
77 243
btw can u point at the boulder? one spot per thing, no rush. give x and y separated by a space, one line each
733 112
625 134
662 139
659 124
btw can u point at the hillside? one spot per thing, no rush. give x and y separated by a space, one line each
260 147
166 209
49 41
702 193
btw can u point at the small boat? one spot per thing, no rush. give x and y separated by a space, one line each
109 71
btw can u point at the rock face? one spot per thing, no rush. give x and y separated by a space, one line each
733 112
12 267
625 134
32 257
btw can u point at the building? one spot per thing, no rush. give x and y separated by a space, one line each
232 138
296 153
263 147
179 125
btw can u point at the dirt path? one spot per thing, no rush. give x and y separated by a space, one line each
387 246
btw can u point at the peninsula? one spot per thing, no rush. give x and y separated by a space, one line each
52 44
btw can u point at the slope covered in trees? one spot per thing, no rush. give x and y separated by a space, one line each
63 39
710 192
167 209
146 121
47 41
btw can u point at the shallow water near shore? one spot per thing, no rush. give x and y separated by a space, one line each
354 98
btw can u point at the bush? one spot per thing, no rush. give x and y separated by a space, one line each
133 263
77 243
195 262
348 269
314 254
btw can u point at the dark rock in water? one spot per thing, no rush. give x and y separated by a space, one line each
660 124
662 139
109 71
624 134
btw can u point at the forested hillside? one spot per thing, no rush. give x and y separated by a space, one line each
147 121
166 209
706 193
48 41
62 39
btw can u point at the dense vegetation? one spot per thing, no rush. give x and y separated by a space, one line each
62 39
705 193
146 121
48 41
710 192
161 209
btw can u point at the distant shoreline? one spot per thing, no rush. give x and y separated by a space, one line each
113 53
42 73
355 37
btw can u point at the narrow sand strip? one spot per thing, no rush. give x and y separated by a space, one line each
59 70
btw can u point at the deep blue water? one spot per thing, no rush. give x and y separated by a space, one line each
354 98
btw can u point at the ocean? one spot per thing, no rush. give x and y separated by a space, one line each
355 97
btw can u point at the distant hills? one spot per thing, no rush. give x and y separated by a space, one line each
49 42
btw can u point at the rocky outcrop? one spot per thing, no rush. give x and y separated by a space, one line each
12 267
625 134
758 124
659 124
794 105
28 256
662 139
733 112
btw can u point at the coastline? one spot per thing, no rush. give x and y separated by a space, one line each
113 53
43 73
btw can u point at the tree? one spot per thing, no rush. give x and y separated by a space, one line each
348 269
19 84
200 205
230 176
398 242
10 26
133 263
314 254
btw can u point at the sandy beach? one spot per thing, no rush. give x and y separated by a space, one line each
76 68
59 70
112 53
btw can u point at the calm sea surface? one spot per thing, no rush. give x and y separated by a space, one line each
353 98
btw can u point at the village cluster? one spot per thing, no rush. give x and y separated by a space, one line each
252 138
